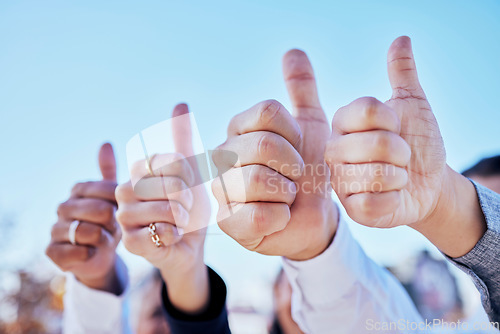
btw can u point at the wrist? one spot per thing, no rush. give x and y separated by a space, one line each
457 223
188 286
110 282
328 220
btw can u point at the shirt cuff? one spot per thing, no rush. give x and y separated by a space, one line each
90 310
212 320
485 253
340 266
481 263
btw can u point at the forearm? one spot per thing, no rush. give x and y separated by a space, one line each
188 288
212 320
457 223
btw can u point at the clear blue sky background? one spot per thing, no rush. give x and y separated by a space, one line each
74 74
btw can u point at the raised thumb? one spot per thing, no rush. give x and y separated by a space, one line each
301 85
402 70
107 162
181 130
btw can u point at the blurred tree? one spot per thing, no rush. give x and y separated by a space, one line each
30 299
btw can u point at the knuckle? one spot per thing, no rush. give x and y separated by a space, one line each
62 209
370 107
187 197
258 220
218 190
138 168
174 209
286 215
381 141
365 205
166 207
123 192
53 231
76 188
266 145
123 215
79 188
105 211
109 189
268 111
330 151
256 176
120 192
233 123
215 185
177 184
338 119
49 251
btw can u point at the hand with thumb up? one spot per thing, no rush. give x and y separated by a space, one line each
85 237
282 204
388 163
164 211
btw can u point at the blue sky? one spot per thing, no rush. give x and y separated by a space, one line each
76 74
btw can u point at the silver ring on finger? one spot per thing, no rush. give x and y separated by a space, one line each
72 231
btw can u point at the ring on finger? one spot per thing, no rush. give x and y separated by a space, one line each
149 161
72 231
154 236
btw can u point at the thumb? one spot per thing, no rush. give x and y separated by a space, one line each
181 130
107 162
402 70
301 85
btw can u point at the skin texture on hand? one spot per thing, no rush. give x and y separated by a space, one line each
169 199
388 163
92 260
281 201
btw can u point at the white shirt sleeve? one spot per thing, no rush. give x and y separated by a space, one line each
88 310
344 291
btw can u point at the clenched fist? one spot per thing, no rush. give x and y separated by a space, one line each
92 258
275 199
388 162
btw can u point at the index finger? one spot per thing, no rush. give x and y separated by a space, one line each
365 114
268 116
95 189
170 164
